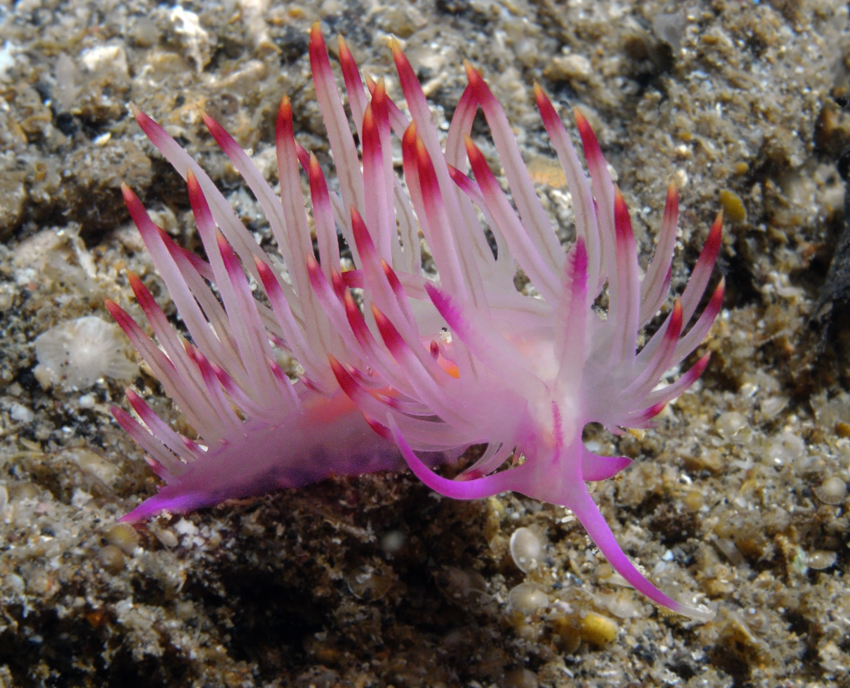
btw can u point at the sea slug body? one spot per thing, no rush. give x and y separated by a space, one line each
422 367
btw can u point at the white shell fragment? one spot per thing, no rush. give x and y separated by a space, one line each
731 424
831 491
784 449
527 598
526 549
772 406
821 559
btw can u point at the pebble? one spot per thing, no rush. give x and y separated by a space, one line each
520 678
167 538
597 629
733 206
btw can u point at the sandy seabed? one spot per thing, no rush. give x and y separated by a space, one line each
737 497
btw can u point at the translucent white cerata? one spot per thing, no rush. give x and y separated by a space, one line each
427 366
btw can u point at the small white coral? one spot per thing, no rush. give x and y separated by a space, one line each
79 352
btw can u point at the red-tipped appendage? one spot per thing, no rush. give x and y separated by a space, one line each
294 337
662 357
547 111
701 273
592 151
572 315
394 341
603 191
160 429
670 392
363 240
625 286
535 222
429 203
353 83
323 217
657 280
377 186
585 211
510 227
365 401
701 327
221 136
342 144
164 463
416 101
345 379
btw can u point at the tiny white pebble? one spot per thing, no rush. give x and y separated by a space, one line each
167 538
21 413
15 583
80 498
392 541
185 527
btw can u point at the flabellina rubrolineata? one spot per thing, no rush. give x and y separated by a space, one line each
420 366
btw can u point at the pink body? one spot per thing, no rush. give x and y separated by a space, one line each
427 366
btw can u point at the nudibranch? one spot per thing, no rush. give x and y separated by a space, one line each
403 365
